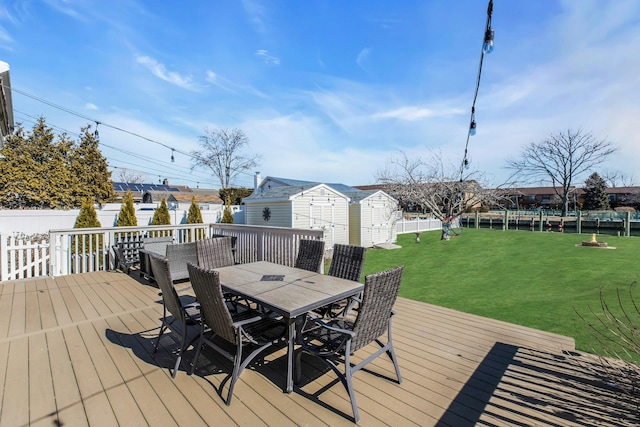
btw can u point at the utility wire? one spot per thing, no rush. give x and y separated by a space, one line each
99 122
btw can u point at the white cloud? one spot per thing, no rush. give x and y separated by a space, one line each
363 57
90 106
256 12
266 58
415 113
160 71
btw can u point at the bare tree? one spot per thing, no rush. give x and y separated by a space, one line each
437 188
222 153
128 176
562 158
616 178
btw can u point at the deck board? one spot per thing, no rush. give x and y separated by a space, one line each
82 347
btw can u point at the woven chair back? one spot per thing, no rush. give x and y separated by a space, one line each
310 255
213 307
162 276
216 252
347 262
380 293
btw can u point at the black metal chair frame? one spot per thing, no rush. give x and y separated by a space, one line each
335 340
246 328
173 310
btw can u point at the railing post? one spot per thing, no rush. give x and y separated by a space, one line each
627 224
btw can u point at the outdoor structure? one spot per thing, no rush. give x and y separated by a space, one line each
372 217
346 214
6 104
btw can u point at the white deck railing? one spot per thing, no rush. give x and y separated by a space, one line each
81 250
20 259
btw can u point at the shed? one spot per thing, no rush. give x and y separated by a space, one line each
348 215
372 217
302 204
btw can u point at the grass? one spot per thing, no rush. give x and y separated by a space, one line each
533 279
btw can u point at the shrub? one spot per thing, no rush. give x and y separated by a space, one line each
127 215
161 215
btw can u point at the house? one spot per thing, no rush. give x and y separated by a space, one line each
346 214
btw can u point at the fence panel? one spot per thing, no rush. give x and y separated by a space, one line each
23 260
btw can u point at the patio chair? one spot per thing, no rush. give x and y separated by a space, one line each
347 263
173 309
152 244
215 252
335 340
246 328
310 255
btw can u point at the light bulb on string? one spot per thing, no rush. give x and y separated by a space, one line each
472 128
173 159
96 135
487 46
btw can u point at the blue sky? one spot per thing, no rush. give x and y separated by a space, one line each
326 90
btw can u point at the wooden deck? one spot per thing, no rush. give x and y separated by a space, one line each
77 350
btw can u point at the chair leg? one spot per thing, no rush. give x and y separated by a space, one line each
349 386
195 358
162 329
392 354
237 362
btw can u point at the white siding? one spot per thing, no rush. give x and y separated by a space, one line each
280 214
323 208
372 220
355 224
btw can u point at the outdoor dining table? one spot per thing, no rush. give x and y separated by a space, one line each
288 291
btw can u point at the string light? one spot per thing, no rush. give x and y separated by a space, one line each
173 159
487 47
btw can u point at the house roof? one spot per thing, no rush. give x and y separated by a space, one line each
290 188
284 193
182 196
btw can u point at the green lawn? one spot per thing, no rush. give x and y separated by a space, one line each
528 278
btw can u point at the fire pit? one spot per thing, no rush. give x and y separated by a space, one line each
593 242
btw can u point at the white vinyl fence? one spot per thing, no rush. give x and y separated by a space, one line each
20 259
418 225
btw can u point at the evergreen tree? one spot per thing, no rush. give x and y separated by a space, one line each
595 193
39 172
127 215
227 217
90 166
87 218
25 178
161 215
194 216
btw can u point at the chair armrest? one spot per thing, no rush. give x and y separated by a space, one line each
323 324
243 322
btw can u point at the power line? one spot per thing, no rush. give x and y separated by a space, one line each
99 122
190 177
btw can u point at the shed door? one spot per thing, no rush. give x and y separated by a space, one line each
379 223
322 215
